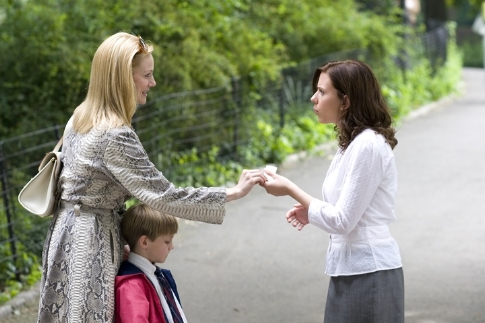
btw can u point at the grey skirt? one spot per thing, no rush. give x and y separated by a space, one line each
376 297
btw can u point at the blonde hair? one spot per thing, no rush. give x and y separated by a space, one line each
111 97
143 220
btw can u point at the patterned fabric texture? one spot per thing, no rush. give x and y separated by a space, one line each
83 248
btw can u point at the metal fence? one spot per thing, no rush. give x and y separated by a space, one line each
166 125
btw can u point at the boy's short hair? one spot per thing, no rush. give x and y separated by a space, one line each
143 220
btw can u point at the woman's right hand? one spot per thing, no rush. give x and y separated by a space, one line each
278 185
247 180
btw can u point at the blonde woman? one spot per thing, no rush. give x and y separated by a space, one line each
104 165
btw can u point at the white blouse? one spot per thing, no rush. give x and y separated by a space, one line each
358 204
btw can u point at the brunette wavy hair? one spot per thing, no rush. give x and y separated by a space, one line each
367 108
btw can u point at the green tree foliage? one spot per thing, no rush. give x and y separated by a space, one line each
46 48
46 45
34 57
473 3
201 44
312 28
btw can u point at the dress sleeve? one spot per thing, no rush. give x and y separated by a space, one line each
127 160
131 303
363 175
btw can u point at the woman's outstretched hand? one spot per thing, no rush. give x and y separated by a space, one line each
247 180
298 216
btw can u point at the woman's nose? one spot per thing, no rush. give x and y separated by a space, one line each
313 99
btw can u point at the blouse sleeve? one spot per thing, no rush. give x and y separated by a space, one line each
127 160
363 175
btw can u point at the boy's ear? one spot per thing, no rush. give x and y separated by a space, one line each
143 242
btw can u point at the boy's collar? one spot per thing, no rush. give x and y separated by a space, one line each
141 262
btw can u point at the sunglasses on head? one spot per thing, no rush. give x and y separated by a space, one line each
143 46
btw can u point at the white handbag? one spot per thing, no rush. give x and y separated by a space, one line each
39 195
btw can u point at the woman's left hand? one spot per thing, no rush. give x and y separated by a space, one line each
298 216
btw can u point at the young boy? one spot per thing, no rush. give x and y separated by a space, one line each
144 292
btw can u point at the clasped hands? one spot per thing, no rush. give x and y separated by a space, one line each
281 186
276 185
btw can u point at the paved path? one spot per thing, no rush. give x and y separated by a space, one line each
441 232
257 268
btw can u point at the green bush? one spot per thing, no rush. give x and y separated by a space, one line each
17 274
407 89
472 53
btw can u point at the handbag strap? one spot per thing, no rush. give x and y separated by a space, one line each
66 129
58 145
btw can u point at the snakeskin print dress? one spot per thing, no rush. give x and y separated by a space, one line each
83 248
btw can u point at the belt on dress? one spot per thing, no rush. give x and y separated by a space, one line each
78 206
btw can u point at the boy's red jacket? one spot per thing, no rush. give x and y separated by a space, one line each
136 298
